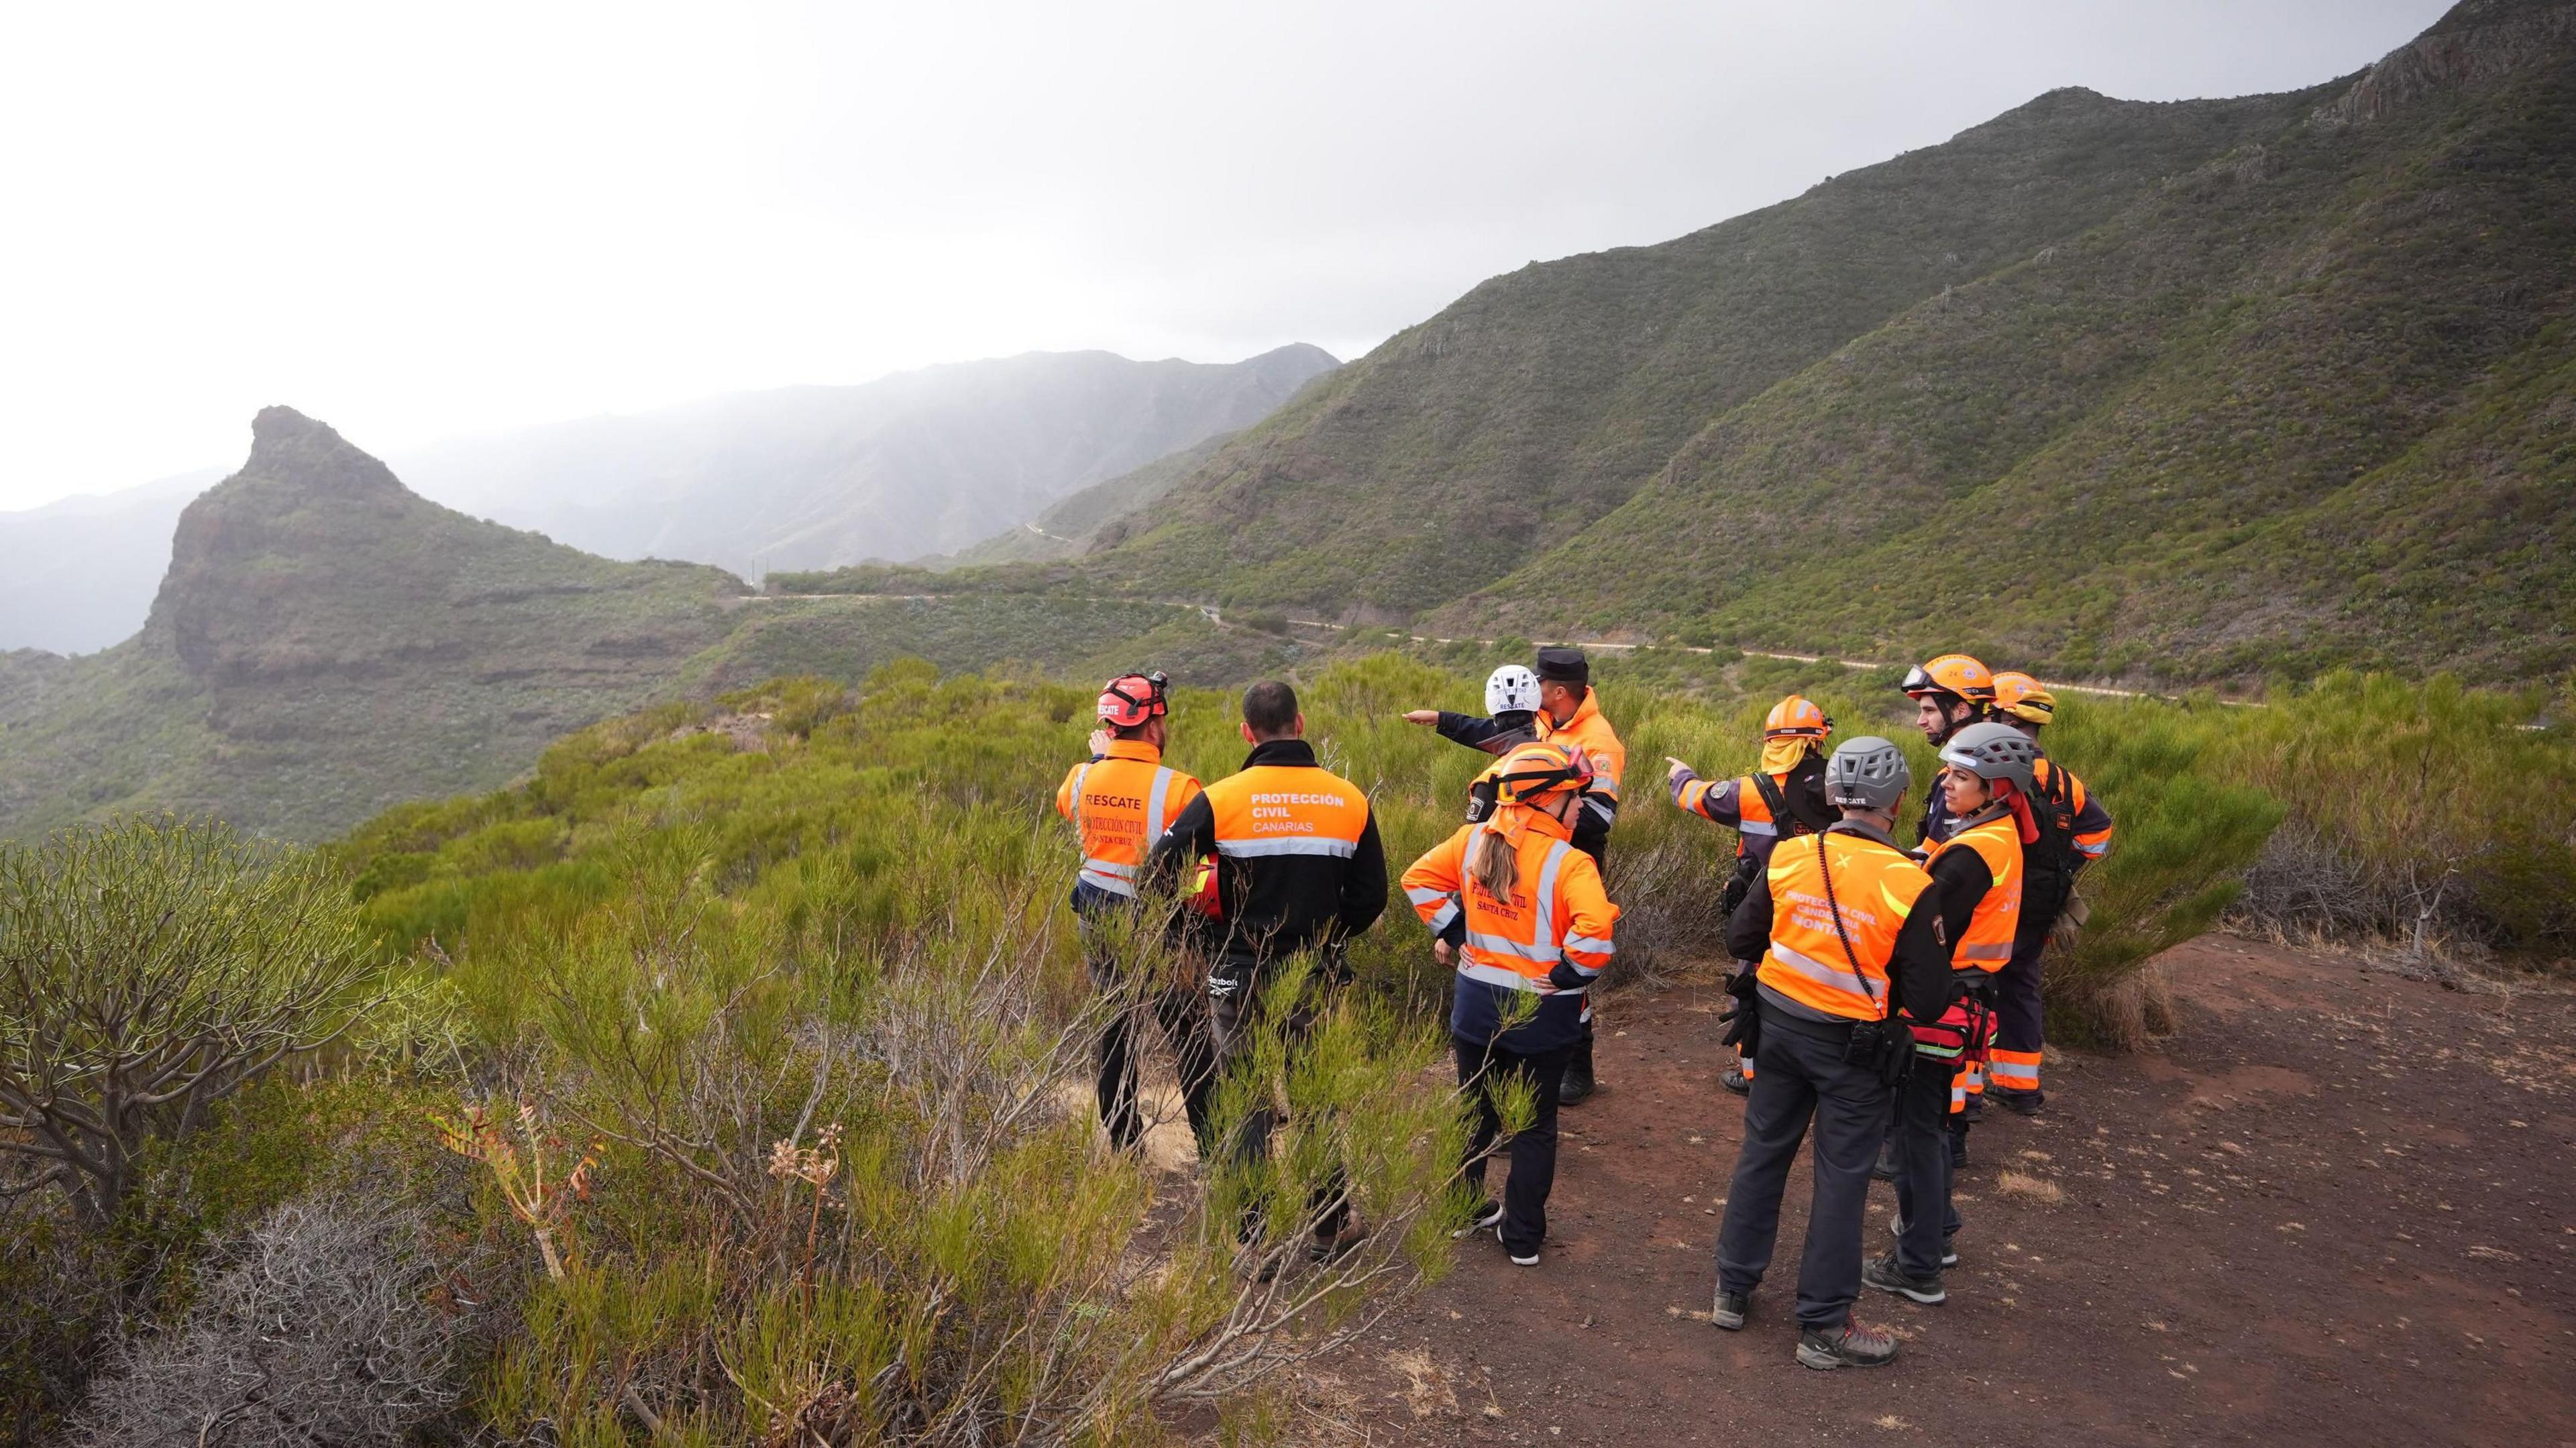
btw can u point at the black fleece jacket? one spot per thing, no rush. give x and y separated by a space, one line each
1276 905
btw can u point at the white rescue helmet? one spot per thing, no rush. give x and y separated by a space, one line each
1511 688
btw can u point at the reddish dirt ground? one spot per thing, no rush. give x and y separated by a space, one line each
2338 1207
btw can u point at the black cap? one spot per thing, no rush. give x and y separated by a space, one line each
1564 666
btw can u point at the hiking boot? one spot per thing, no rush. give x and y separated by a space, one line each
1736 1081
1848 1346
1949 1254
1488 1213
2020 1103
1885 1170
1729 1309
1883 1274
1578 1083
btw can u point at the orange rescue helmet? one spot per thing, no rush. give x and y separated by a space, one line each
1132 699
2024 698
1533 772
1796 718
1955 674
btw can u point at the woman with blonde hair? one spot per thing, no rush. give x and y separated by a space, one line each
1521 914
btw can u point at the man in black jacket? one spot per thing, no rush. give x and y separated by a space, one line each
1299 868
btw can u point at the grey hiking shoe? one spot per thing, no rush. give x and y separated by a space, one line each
1729 1309
1949 1254
1736 1081
1882 1273
1852 1345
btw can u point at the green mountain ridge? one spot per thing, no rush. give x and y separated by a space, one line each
2137 391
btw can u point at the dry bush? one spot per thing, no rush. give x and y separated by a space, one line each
322 1332
1669 895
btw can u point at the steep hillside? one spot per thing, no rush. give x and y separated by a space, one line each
810 477
2306 403
79 574
2175 391
1070 527
327 643
1542 399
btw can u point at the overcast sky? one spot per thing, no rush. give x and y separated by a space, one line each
413 221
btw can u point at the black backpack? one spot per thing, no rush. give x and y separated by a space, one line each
2049 863
1798 810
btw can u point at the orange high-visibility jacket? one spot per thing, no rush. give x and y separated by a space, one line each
1559 912
1120 804
1987 942
1592 733
1738 804
1875 884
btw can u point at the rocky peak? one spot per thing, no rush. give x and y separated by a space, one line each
2474 44
288 447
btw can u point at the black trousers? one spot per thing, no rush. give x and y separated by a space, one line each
1234 1006
1922 1135
1481 1068
2017 1008
1805 1078
1181 1010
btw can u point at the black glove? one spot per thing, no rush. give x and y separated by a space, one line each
1565 977
1743 1016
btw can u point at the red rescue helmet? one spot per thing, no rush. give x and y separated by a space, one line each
1955 674
1132 699
1796 718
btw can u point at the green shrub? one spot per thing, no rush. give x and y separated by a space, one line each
2420 812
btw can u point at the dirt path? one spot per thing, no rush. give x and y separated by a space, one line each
2339 1208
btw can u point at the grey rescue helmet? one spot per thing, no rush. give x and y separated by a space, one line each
1867 773
1993 751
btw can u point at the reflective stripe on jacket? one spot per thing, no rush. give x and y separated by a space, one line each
1738 804
1120 804
2092 823
1875 885
1558 915
1592 733
1299 863
1987 942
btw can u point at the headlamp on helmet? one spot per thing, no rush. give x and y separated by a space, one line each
1133 699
